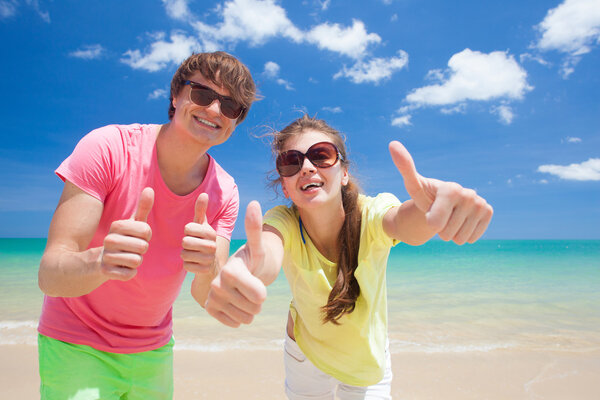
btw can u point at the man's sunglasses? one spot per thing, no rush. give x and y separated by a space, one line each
322 155
204 96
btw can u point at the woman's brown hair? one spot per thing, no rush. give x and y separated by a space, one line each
222 69
345 291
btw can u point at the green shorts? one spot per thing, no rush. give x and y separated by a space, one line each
78 372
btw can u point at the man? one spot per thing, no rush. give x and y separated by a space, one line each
142 205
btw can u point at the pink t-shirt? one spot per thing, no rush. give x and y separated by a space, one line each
114 164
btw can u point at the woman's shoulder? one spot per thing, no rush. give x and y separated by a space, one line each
382 200
281 212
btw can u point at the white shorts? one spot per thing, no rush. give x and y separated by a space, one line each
304 381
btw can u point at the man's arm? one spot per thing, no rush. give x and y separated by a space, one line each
68 268
201 282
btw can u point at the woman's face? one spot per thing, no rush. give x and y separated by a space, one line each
312 186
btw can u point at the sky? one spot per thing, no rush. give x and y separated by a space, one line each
499 96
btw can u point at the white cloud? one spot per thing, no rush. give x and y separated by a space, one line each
537 58
285 84
472 76
586 171
573 139
504 112
401 121
352 41
572 28
254 21
324 4
271 71
475 76
88 52
162 53
374 70
335 110
158 94
8 8
36 6
177 9
460 108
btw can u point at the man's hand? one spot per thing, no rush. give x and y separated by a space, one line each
236 294
127 241
453 212
200 241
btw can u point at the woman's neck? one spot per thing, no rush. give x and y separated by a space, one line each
323 227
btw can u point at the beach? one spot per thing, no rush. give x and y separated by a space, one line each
259 375
495 320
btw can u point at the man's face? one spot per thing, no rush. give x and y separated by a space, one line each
205 123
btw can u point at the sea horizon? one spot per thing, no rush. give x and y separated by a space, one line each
494 295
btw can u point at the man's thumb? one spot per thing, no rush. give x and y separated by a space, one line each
144 206
200 208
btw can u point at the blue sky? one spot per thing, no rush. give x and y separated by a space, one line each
502 97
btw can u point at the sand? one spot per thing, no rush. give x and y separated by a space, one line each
259 375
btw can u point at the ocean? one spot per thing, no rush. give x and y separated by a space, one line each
442 298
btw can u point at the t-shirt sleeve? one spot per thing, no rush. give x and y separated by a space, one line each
375 209
94 162
225 223
281 218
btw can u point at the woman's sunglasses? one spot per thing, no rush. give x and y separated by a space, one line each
204 96
322 155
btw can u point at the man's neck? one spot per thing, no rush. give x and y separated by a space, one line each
182 166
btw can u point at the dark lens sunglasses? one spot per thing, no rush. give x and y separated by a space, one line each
204 96
322 155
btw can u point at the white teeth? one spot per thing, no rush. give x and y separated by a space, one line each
206 122
311 185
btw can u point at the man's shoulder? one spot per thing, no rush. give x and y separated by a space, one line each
219 173
123 131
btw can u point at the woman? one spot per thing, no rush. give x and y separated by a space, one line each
333 243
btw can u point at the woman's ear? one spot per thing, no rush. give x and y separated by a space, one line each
285 193
345 177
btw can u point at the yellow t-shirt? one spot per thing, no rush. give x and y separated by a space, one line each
354 351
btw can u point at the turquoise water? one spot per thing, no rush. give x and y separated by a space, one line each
493 295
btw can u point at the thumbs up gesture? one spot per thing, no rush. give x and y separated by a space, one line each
127 241
236 294
199 245
453 212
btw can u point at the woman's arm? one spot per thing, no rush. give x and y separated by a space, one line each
436 207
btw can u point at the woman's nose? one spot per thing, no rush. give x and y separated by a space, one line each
307 166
